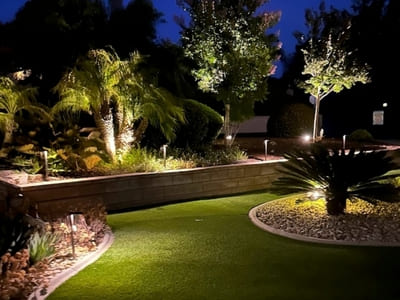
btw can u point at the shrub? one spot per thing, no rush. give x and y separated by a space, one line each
41 246
291 120
361 135
210 156
200 130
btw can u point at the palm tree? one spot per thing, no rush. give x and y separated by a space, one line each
14 99
339 176
118 97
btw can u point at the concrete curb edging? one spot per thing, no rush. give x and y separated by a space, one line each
75 269
265 227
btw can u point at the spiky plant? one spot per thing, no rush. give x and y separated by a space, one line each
339 176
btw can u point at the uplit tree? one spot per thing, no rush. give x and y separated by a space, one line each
118 97
329 66
234 55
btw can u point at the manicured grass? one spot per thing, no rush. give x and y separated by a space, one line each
209 249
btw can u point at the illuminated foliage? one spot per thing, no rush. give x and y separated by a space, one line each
329 65
234 55
16 99
118 97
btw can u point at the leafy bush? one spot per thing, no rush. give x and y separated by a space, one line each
291 120
14 233
361 135
41 246
210 156
338 176
200 130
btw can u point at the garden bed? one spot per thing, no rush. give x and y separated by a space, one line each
362 224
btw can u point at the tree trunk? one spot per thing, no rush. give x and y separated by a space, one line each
336 204
105 124
144 123
316 117
124 135
8 132
228 138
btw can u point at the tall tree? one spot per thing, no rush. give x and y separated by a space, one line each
329 65
118 97
234 55
47 36
134 27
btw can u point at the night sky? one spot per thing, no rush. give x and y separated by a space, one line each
292 16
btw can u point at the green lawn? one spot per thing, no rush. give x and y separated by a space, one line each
209 249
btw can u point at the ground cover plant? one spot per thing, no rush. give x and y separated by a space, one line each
209 249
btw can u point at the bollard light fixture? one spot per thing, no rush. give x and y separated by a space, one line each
266 148
72 217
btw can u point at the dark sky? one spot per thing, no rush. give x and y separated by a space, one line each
292 16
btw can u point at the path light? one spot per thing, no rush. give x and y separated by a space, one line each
344 142
164 149
266 148
72 222
45 164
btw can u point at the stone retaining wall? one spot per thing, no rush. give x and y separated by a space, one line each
129 191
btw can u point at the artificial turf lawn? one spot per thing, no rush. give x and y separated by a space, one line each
209 249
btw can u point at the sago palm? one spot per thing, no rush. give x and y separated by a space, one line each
14 99
339 176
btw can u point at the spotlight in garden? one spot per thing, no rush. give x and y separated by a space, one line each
315 194
306 138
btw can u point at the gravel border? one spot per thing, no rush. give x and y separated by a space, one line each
40 293
362 225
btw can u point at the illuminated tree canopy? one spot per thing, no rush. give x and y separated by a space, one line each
329 65
234 55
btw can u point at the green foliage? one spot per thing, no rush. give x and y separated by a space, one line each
361 135
14 233
329 65
339 176
233 55
292 120
118 97
41 246
210 156
143 160
29 164
16 99
199 131
139 160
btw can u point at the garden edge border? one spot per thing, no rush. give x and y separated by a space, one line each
253 217
66 274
